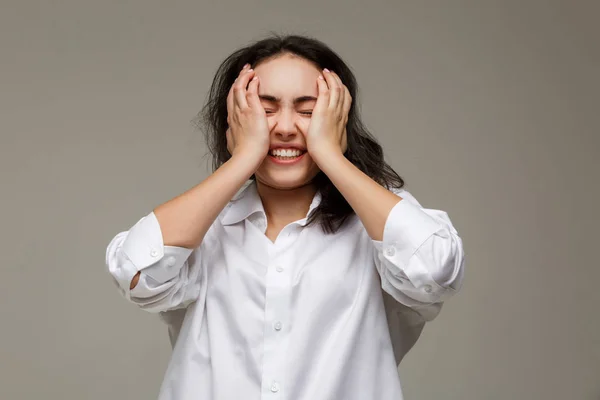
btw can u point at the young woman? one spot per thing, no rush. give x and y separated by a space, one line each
302 268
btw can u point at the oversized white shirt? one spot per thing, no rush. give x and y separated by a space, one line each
310 316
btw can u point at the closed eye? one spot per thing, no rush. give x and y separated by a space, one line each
308 113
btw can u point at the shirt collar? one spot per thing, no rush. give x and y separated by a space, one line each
247 202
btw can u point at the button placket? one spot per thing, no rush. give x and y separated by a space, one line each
277 299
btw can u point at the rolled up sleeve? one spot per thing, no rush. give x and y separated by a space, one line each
421 256
169 275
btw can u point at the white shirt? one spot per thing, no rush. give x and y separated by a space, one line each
310 316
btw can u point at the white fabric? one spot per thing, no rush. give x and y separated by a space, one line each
309 317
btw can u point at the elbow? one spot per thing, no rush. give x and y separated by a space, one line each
435 271
118 264
448 259
134 281
173 295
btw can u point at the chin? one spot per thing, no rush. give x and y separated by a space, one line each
285 181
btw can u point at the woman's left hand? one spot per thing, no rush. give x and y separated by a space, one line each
327 128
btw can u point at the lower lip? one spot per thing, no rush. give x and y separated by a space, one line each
287 162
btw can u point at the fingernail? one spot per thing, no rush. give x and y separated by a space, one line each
326 70
246 65
320 77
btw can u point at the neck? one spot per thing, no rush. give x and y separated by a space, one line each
283 206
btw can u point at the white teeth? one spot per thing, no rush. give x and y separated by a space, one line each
286 153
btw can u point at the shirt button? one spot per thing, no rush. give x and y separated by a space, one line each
153 252
277 325
427 288
274 387
279 268
170 261
390 251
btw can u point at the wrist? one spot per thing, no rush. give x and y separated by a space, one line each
325 153
248 159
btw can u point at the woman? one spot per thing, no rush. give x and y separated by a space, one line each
304 268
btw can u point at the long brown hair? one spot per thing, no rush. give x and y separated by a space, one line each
363 149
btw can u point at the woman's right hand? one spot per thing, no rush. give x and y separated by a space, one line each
248 132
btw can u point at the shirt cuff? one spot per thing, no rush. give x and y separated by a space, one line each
144 243
406 229
145 248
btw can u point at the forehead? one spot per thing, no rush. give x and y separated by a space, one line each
287 76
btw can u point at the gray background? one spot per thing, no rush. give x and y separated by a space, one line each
488 109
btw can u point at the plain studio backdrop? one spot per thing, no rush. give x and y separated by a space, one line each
488 109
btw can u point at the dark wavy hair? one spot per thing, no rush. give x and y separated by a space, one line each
363 149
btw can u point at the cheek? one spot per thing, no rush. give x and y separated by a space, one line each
304 123
271 123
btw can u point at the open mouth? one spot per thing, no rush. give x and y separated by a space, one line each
286 154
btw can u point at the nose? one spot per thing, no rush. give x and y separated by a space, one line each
285 125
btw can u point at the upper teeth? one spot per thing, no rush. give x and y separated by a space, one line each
286 153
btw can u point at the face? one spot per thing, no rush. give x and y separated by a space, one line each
288 93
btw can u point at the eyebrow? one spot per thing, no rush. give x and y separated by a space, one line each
301 99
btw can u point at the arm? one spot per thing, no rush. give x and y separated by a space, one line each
326 143
152 263
371 202
418 252
157 263
184 220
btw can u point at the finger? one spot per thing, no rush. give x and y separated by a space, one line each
252 93
240 87
337 78
334 88
230 100
323 94
243 70
343 92
347 103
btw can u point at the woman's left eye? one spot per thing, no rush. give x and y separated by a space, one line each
306 112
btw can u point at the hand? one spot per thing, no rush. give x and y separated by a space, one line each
248 131
327 129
